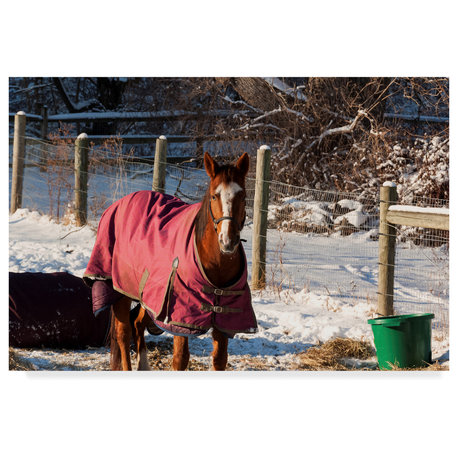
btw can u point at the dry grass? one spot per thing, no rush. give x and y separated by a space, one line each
430 367
18 363
331 355
334 355
160 358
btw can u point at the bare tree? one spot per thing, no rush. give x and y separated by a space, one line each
334 133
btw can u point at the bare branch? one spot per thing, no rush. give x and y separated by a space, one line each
337 130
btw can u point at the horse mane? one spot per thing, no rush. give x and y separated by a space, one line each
202 217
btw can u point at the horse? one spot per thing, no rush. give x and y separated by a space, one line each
204 289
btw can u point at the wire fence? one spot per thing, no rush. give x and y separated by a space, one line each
321 241
49 179
422 259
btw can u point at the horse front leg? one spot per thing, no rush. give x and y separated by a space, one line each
219 354
180 353
121 335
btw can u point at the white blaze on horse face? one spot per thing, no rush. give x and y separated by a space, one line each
227 193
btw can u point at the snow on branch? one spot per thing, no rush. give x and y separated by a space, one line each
297 113
267 114
416 117
241 102
276 111
344 129
248 126
71 106
281 86
337 130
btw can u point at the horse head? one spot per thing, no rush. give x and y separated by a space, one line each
226 202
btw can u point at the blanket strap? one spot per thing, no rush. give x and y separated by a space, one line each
142 283
221 292
218 308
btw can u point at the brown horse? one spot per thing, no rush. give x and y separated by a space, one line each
217 235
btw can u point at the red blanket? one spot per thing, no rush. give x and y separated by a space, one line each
146 245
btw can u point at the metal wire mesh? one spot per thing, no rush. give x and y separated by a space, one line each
323 241
49 179
422 259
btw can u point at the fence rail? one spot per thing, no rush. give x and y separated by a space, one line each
132 139
136 116
133 116
430 218
107 116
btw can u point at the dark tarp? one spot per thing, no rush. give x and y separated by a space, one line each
53 310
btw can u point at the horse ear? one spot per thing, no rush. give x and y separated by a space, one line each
211 166
243 164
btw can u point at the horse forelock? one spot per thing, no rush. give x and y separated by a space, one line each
226 175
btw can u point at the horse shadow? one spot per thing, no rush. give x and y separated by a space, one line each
240 345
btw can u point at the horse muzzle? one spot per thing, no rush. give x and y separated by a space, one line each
229 247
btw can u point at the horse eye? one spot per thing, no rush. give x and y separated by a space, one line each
213 197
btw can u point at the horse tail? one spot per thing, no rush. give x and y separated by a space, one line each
133 315
115 351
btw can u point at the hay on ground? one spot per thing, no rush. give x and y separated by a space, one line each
331 355
18 363
436 366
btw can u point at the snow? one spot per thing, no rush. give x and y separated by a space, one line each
355 218
37 244
389 184
277 83
318 213
350 204
127 115
417 117
413 209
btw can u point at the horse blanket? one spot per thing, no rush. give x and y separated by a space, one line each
146 246
53 310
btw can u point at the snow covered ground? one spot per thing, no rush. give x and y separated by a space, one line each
291 318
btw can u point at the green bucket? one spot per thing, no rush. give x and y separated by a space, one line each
403 340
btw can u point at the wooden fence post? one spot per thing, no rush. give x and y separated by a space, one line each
81 169
160 159
260 209
17 179
387 250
